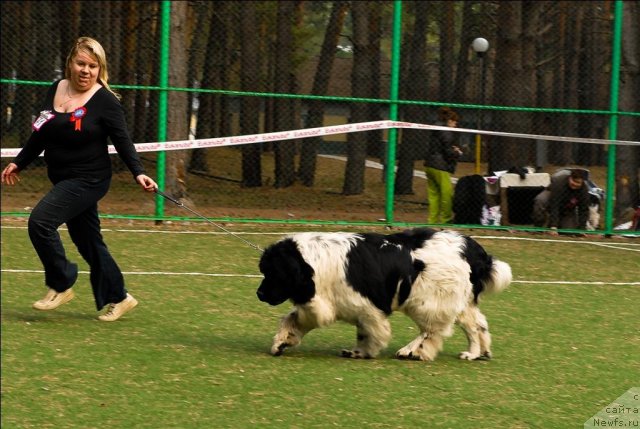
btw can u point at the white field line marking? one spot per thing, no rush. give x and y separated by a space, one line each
166 273
617 246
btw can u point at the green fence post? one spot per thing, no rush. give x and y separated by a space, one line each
393 109
162 100
613 118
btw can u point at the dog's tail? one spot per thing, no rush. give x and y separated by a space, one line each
499 278
488 274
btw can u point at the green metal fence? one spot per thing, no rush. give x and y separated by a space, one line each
221 192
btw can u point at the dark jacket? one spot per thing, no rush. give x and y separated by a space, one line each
440 154
564 201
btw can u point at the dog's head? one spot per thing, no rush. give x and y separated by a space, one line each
286 275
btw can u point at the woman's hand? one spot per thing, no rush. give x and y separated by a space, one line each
146 182
10 174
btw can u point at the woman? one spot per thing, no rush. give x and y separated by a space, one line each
441 161
77 117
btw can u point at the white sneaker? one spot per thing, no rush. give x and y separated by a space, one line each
54 299
115 311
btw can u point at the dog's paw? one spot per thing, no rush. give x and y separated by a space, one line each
355 354
408 355
474 356
278 349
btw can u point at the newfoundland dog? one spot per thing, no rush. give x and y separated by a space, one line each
434 277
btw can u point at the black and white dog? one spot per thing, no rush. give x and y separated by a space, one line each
435 277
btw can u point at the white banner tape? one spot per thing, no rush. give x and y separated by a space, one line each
330 130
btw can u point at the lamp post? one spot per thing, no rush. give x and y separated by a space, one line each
480 46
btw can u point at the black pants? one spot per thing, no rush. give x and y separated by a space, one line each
75 202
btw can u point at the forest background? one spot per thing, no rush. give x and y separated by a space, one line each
237 68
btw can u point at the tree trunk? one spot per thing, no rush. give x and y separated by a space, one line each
178 113
315 116
28 98
414 142
69 13
284 108
250 106
590 80
560 154
628 157
513 87
145 118
573 47
447 52
361 74
203 11
124 66
213 110
374 57
468 32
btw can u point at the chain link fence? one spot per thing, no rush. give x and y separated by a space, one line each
199 72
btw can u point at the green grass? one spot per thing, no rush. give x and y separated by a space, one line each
194 354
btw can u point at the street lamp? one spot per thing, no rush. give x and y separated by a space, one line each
480 46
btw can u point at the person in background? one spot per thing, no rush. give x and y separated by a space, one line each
442 158
565 203
78 115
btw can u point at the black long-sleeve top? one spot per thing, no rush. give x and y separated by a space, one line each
71 153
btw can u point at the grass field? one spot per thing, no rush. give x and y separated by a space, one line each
194 353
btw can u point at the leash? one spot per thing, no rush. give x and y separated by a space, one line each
178 203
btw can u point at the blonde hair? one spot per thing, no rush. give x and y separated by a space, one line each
93 48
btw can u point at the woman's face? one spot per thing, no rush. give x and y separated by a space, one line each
452 123
84 70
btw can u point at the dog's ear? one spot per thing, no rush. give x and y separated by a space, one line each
303 288
287 274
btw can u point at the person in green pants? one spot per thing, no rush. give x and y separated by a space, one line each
440 163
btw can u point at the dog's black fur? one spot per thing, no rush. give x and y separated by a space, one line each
469 198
